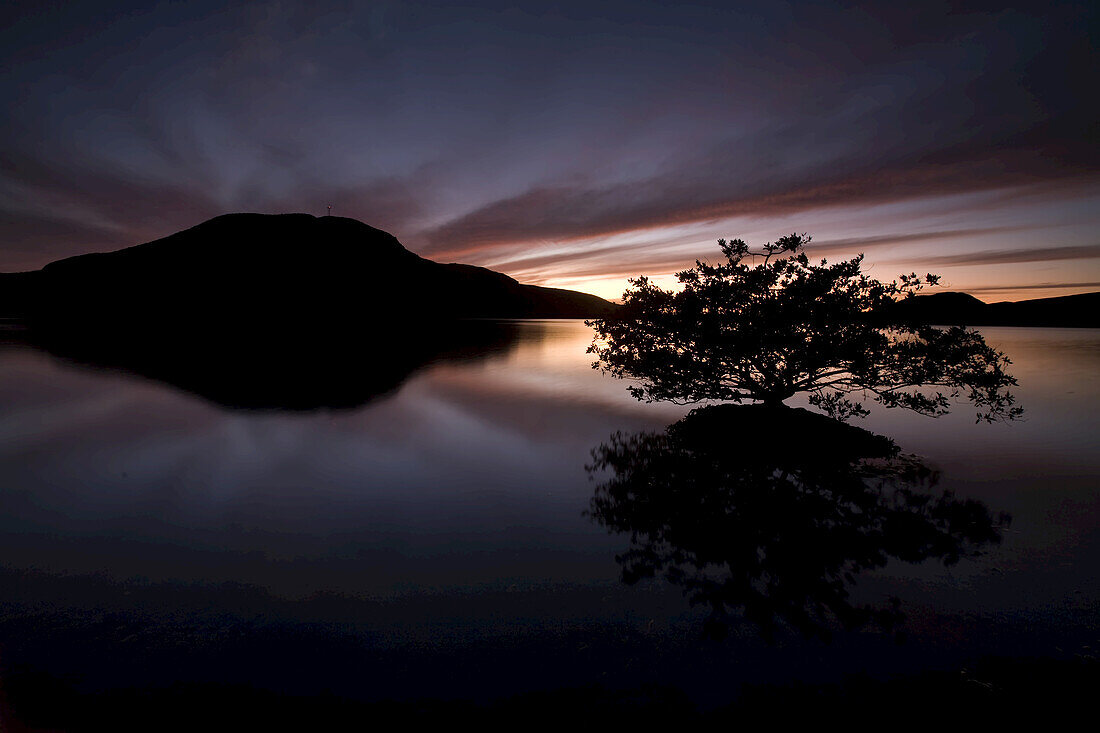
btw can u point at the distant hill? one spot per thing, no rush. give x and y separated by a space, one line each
248 271
286 311
960 309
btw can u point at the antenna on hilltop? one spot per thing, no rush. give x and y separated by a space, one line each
329 207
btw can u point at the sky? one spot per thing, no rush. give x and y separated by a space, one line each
569 144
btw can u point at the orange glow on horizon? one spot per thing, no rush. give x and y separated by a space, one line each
612 289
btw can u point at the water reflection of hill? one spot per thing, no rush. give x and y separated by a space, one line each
773 513
291 369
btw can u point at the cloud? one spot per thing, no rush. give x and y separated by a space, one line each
1095 284
848 244
1012 256
536 140
662 256
567 213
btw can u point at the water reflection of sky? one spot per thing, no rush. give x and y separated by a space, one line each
481 460
470 482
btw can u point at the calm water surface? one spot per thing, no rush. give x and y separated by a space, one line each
434 542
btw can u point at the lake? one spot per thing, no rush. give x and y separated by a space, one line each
437 540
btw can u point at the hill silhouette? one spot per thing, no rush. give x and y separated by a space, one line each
265 271
285 311
960 309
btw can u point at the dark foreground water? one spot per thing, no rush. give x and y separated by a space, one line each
437 541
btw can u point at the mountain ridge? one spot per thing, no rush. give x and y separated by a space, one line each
280 312
239 265
255 271
962 309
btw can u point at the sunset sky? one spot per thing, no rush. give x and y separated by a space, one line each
569 144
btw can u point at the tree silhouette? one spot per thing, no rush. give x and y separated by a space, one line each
764 332
746 524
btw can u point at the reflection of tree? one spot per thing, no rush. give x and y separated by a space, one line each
776 511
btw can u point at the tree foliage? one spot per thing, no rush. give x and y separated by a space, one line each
742 330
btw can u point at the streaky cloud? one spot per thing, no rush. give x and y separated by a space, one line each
1012 256
564 213
1034 286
